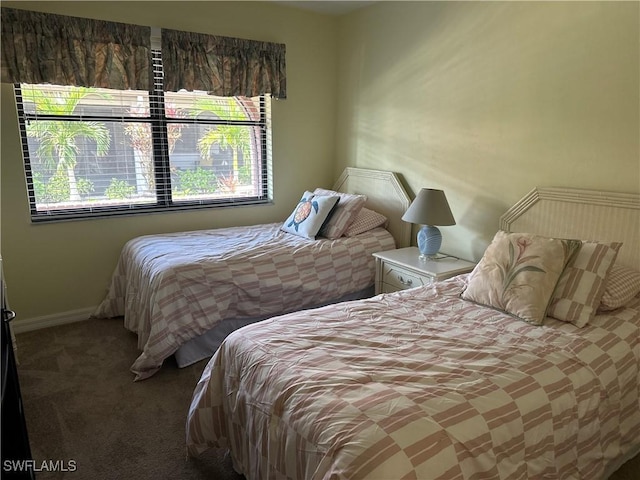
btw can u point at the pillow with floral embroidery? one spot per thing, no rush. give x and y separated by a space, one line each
518 274
582 284
310 214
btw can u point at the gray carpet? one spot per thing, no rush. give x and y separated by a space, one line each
81 404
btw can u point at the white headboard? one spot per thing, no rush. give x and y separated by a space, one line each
580 214
385 194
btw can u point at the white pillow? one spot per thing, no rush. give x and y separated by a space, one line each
310 214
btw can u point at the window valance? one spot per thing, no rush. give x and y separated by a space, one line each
57 49
47 48
222 66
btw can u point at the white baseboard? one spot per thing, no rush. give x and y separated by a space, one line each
21 325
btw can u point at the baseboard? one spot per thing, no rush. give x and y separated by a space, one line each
21 325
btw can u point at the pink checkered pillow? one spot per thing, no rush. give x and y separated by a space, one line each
623 283
344 214
365 221
582 284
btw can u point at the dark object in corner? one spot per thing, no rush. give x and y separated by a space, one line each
16 452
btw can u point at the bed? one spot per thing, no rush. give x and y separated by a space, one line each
436 382
183 293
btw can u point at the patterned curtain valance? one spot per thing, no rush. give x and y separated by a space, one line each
222 66
46 48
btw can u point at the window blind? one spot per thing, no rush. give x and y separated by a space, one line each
111 126
93 151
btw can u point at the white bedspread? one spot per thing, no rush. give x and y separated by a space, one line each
173 287
422 384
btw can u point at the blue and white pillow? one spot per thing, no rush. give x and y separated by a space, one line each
310 214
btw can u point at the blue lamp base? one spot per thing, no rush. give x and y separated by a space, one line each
429 241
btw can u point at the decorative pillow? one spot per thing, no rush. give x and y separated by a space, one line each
365 221
309 215
518 274
582 284
622 284
348 208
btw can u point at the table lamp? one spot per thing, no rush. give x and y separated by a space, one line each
429 209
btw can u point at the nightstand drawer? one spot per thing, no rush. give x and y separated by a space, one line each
403 268
399 279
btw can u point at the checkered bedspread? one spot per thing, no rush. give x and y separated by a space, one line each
421 384
173 287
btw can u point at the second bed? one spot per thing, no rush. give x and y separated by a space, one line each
183 293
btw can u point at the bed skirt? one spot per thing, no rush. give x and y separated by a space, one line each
205 345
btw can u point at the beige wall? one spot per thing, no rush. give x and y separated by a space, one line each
487 100
64 267
482 99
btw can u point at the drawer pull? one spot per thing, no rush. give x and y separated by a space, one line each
408 283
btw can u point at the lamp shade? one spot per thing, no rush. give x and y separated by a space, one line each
430 207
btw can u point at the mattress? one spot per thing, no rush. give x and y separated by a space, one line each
171 288
422 384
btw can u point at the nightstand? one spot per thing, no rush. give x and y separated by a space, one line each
402 268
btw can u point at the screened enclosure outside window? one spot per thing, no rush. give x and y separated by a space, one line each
94 151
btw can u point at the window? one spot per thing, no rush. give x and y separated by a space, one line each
93 151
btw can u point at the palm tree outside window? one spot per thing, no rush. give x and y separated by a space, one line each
58 142
95 151
135 118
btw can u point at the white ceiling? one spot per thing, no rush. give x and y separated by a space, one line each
328 7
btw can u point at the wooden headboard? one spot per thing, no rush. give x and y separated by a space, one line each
580 214
385 194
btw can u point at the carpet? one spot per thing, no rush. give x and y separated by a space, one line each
85 412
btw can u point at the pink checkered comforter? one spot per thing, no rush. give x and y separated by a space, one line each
422 384
173 287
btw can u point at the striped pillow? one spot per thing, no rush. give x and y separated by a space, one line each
623 283
345 212
582 284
